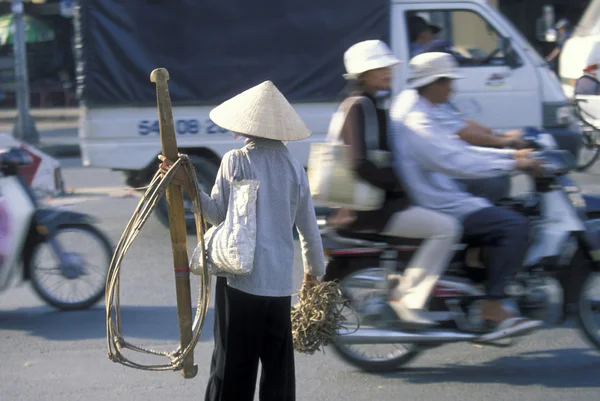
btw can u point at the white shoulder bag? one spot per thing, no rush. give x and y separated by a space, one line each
230 246
332 180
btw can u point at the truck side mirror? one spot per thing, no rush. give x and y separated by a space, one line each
540 29
511 57
543 33
551 35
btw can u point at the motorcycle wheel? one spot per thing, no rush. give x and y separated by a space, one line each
74 275
590 150
375 357
589 309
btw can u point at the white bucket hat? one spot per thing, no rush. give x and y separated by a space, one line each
366 56
261 111
426 68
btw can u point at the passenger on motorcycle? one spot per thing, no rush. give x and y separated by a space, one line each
429 156
368 65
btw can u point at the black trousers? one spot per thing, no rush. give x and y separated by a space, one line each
493 189
249 329
504 237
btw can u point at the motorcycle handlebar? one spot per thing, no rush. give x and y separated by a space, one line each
554 162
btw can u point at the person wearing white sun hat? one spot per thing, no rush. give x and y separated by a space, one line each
430 156
369 68
367 56
253 313
493 188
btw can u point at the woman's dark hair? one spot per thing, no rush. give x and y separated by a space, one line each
353 87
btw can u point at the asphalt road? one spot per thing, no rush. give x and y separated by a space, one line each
57 356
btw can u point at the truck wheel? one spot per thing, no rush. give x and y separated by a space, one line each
206 172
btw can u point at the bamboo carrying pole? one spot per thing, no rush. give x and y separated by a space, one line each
160 76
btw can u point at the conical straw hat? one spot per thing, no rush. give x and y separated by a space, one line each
261 111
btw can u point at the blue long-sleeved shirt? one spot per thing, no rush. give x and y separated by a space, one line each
429 155
284 200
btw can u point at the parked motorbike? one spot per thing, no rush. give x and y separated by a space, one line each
561 268
61 252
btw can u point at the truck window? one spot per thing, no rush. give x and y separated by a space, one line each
463 33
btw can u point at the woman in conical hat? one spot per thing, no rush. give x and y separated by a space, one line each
252 313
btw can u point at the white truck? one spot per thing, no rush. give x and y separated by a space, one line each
582 48
213 51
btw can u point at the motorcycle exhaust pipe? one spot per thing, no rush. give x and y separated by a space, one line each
379 336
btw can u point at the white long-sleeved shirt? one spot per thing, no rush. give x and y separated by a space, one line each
429 156
284 199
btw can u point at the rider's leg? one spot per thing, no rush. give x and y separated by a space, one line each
492 189
412 289
505 234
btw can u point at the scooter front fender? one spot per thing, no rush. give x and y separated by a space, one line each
45 223
48 220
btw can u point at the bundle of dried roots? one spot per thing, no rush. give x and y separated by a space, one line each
317 317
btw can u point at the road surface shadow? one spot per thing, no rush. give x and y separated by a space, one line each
563 368
141 322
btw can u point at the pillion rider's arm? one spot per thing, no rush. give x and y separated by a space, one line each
353 134
446 154
478 135
311 244
470 131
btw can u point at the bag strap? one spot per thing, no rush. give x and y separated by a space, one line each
371 123
371 126
241 168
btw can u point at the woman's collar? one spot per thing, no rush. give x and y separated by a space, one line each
263 143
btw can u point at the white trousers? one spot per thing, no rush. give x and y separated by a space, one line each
441 232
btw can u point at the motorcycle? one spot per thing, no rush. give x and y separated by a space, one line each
48 246
564 254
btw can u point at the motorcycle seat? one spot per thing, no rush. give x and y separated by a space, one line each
14 157
373 237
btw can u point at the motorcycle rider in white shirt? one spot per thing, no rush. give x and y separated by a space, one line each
430 156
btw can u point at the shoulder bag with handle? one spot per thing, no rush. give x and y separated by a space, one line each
333 181
230 246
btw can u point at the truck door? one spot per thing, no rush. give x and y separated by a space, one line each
500 86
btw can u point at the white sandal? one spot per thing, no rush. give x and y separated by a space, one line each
412 316
511 327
